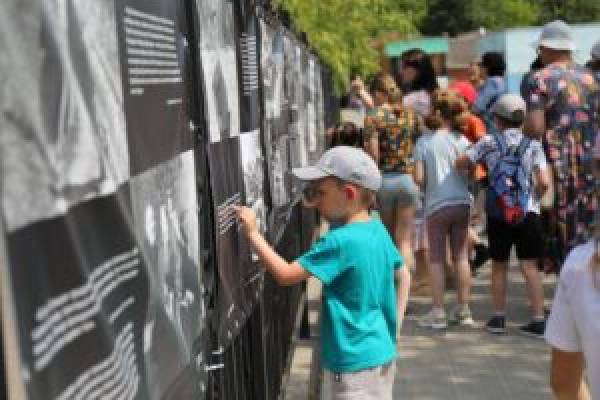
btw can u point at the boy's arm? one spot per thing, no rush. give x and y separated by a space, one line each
402 291
473 155
285 273
542 181
566 376
464 162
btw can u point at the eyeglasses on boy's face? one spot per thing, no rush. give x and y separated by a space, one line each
312 191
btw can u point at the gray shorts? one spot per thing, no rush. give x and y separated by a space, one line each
397 190
368 384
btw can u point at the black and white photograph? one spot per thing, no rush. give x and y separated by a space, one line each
297 108
164 206
63 135
253 167
311 110
81 293
219 68
320 113
276 113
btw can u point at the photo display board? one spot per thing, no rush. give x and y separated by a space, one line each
98 198
111 111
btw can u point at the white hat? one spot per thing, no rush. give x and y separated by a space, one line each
596 51
511 107
556 35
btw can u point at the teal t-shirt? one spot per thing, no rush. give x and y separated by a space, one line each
356 263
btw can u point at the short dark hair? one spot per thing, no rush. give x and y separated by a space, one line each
512 123
494 63
420 61
593 65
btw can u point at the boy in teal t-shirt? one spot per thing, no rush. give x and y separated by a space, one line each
357 262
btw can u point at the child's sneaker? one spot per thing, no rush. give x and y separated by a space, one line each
461 315
434 320
496 324
534 329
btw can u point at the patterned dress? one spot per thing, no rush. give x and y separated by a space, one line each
397 132
569 96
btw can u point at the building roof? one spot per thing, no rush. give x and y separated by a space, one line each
430 45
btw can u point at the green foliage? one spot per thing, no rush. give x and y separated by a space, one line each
571 11
342 31
456 16
498 15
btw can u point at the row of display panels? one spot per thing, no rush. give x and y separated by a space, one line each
120 117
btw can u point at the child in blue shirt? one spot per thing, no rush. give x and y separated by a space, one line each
356 262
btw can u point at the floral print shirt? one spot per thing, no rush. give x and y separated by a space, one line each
569 96
397 132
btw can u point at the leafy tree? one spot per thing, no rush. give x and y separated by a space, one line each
456 16
571 11
341 31
498 15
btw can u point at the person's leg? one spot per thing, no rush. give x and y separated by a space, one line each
500 239
459 244
530 248
535 289
498 286
436 232
420 249
436 318
404 226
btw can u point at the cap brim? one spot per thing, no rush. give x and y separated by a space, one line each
309 173
555 45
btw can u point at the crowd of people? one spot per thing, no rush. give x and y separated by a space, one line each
437 180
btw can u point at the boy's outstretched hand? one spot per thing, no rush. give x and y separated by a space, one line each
247 218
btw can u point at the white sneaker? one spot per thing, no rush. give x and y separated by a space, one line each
461 315
433 320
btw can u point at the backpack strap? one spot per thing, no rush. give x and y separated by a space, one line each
501 143
523 145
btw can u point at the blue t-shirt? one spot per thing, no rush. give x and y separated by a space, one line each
490 92
356 263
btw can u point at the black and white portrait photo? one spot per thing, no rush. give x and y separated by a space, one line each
253 168
164 205
63 135
219 68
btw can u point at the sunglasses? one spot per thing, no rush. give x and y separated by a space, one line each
311 192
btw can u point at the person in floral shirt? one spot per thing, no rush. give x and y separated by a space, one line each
390 134
562 108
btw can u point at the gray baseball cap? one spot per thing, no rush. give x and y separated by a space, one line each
346 163
556 35
511 107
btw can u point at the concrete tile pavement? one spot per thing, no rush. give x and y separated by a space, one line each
456 364
471 363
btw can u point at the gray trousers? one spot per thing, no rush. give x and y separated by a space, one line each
368 384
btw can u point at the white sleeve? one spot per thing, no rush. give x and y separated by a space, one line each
539 159
478 150
561 331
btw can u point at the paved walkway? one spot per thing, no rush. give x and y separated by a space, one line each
471 363
459 363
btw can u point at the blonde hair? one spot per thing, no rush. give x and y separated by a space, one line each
447 106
